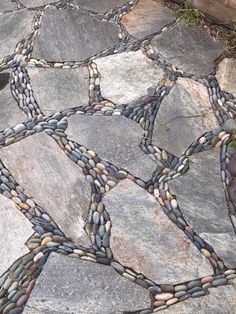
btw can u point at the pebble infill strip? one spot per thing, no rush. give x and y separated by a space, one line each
17 283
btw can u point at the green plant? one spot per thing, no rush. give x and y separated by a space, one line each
190 15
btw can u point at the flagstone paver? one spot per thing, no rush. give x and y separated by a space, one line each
117 165
101 6
127 76
15 230
86 34
226 75
147 17
134 245
97 285
201 196
10 113
185 46
103 135
66 201
14 26
174 121
51 88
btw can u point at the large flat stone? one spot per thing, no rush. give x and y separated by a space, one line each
185 114
39 165
14 26
147 17
226 75
224 245
59 89
15 230
71 286
7 5
10 113
70 35
100 6
221 300
143 237
200 194
127 76
36 3
106 136
188 48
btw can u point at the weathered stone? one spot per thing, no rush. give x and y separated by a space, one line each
14 26
221 300
52 179
232 190
106 136
232 166
36 3
188 48
147 17
127 76
10 112
69 285
7 5
100 6
224 245
143 237
185 114
200 194
229 126
56 90
70 35
15 230
226 75
222 10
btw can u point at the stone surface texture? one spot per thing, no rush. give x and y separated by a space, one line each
142 234
54 175
52 86
220 301
70 35
106 137
147 17
15 230
186 110
7 5
200 194
14 26
127 76
226 75
188 48
100 6
93 289
36 3
10 115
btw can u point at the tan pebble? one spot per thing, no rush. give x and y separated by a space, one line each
206 253
67 146
79 252
181 288
128 276
24 206
159 303
38 256
46 240
164 296
91 255
30 202
174 203
91 152
160 200
51 243
202 140
16 200
172 301
207 279
87 258
206 285
156 193
14 193
100 166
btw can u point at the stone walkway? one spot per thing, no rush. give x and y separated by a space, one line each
118 161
